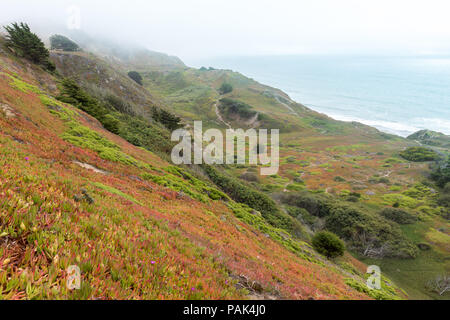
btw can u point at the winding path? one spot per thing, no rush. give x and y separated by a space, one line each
219 116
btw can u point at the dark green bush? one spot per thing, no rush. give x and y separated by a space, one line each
314 204
71 92
398 215
169 120
59 42
441 174
111 123
444 200
136 77
230 107
328 244
250 176
352 199
383 180
225 88
302 215
419 154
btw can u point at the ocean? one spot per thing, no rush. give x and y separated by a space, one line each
398 95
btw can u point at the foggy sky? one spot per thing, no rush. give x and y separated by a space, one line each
206 28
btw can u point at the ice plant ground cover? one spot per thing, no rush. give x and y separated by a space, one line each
134 238
75 196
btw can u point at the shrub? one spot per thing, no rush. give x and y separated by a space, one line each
368 231
169 120
250 176
361 228
225 88
302 215
230 107
59 42
114 102
352 199
245 194
72 93
111 123
446 188
136 77
444 200
384 180
27 45
299 180
328 244
398 215
315 205
441 174
419 154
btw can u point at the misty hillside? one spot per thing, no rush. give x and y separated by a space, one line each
86 179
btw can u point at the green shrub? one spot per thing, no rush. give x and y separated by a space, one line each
398 215
328 244
136 77
383 180
225 88
362 229
114 102
302 215
315 205
352 199
169 120
339 179
59 42
71 92
444 200
446 188
419 154
230 107
140 132
250 176
111 123
441 174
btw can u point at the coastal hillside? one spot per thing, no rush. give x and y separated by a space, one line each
73 193
87 180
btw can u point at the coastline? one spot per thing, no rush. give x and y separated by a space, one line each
395 96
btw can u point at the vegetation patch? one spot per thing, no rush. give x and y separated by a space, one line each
328 244
419 154
231 108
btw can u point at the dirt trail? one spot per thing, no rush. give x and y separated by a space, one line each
219 116
287 107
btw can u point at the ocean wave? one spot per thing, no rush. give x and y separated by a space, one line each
401 129
392 127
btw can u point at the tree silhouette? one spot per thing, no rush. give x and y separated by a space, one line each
28 45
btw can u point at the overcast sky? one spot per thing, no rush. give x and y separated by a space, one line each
207 28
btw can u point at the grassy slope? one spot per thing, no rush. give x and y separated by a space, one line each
138 238
315 150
